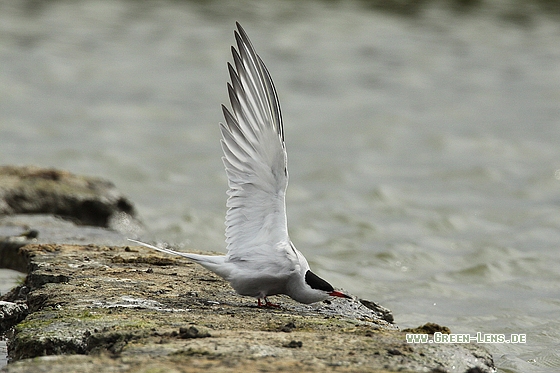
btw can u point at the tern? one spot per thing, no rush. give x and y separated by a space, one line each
261 260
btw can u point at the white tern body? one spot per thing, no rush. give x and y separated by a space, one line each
261 260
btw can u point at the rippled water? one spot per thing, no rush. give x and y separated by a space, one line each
423 151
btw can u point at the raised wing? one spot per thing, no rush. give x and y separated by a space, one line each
254 157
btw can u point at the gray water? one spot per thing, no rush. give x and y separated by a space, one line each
423 151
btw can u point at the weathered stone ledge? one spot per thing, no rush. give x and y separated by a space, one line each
92 303
128 309
81 199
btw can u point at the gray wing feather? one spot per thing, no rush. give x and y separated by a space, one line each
254 158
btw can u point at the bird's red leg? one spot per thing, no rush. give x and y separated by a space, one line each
268 304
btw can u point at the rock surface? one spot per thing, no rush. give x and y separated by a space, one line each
11 313
83 200
130 309
92 303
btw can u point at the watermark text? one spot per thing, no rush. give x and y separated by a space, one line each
479 337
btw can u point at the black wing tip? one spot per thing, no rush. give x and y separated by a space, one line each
242 39
225 111
240 30
230 66
245 53
317 282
